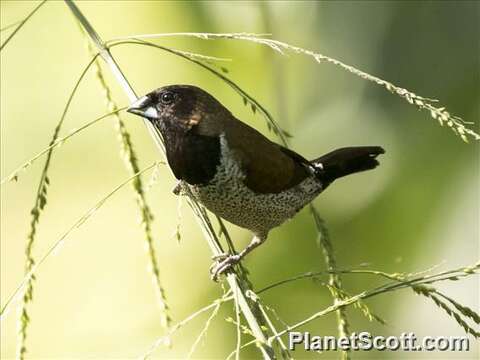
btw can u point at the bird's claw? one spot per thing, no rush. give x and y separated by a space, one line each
178 189
218 257
223 263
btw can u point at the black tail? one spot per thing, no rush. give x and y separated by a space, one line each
346 161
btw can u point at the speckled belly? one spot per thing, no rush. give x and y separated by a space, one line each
229 198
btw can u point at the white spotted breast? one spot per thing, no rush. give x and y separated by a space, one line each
227 196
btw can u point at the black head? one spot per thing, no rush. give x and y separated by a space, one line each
184 114
178 107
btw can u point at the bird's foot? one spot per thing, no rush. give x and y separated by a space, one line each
178 189
218 257
222 264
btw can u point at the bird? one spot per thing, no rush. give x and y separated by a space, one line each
235 171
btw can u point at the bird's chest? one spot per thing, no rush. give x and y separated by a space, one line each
227 196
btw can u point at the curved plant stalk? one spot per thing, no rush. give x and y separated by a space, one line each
239 330
323 237
252 316
247 98
59 243
456 123
283 348
335 282
236 280
146 215
410 283
439 113
9 26
397 285
424 103
203 332
400 281
38 207
20 24
166 339
57 143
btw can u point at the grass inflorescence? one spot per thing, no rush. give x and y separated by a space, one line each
63 239
457 312
335 283
236 281
247 302
439 113
146 216
38 207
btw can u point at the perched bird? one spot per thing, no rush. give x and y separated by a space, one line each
235 171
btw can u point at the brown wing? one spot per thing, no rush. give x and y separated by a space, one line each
270 168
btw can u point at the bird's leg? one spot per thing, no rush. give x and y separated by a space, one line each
225 262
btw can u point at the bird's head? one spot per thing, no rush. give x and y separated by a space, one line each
189 121
176 107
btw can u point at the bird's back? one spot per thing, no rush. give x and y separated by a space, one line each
269 167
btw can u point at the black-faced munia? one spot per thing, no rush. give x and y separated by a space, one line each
235 171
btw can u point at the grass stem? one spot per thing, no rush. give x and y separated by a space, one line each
252 320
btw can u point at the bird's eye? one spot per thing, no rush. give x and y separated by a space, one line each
167 98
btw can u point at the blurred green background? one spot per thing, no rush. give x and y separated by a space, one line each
95 298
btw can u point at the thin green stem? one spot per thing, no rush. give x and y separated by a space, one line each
204 330
439 113
59 243
9 26
146 215
389 287
238 327
13 176
21 24
334 281
232 278
166 339
39 205
247 98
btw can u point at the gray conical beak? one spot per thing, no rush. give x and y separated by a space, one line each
144 107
